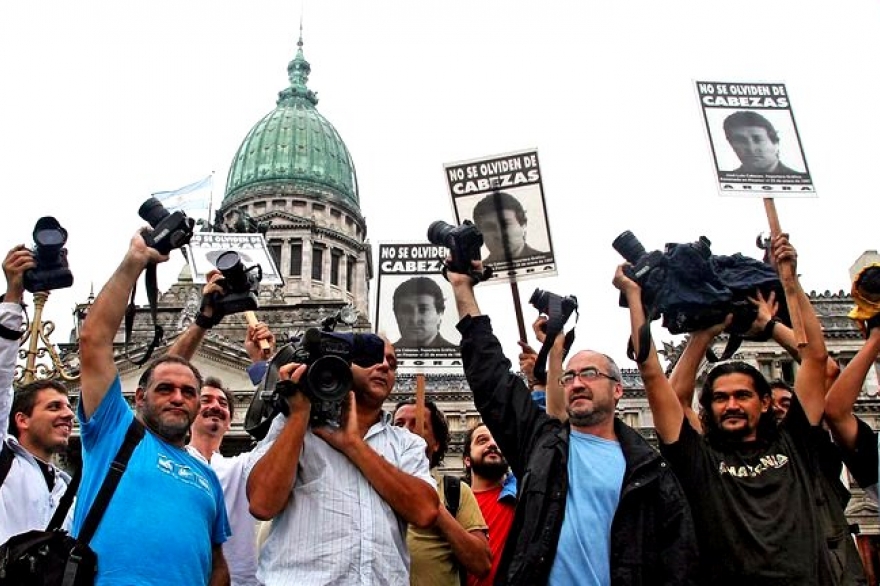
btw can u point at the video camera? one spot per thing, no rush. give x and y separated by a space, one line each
326 381
51 270
240 285
170 230
464 243
693 289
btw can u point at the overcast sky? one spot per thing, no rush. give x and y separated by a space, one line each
105 102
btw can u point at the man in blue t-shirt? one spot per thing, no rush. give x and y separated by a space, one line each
166 521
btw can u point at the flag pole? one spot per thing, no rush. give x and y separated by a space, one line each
211 204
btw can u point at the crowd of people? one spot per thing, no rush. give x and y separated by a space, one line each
745 487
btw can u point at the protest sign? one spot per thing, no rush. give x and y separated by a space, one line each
754 140
415 308
504 197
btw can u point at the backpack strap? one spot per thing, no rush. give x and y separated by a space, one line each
66 500
133 437
6 458
452 492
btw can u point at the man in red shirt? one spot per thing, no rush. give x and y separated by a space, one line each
495 490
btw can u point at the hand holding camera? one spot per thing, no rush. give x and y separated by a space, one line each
17 262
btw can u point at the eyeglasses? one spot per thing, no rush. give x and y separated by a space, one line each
586 375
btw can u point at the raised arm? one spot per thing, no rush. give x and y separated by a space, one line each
188 342
664 403
555 392
809 384
844 393
103 320
684 374
17 261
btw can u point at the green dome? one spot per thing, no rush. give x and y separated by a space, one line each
294 144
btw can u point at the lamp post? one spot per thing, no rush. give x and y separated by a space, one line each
35 354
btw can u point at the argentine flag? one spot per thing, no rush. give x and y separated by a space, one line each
195 196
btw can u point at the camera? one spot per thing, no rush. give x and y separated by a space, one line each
240 285
464 243
326 381
557 308
51 270
170 230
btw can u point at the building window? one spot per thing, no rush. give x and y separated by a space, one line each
335 261
788 371
317 262
349 274
275 251
296 258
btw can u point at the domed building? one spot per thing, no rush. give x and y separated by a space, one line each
293 171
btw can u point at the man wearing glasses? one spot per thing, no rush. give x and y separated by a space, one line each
597 504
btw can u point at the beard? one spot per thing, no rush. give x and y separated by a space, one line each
491 471
172 430
589 418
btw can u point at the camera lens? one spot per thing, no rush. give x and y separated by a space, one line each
869 283
538 300
440 233
152 211
48 233
228 261
629 247
329 378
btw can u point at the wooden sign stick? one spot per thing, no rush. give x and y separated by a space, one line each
252 320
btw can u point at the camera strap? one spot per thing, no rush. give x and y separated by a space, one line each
130 312
540 370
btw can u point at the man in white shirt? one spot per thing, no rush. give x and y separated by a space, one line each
38 419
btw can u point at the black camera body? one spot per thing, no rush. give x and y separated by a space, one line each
326 382
464 243
557 308
170 230
50 255
240 285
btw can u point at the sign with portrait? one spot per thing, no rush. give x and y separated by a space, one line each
504 197
415 308
754 139
205 248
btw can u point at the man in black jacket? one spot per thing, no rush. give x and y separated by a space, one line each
597 504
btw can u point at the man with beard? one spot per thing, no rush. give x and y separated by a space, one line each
753 485
167 520
495 491
597 504
216 410
38 418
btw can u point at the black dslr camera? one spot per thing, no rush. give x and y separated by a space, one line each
326 382
170 230
52 270
557 308
464 243
240 285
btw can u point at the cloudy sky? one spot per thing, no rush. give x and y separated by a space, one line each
104 103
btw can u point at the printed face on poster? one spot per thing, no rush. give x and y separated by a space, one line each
754 139
504 197
415 308
206 247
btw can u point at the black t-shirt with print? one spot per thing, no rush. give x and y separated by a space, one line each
753 506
